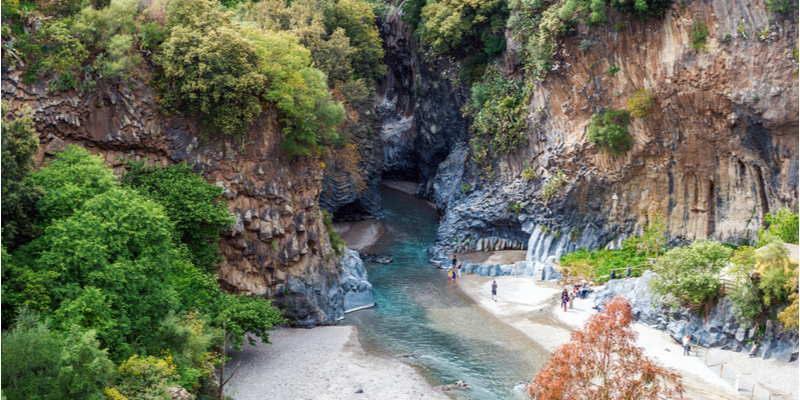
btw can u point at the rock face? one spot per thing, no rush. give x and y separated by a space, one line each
540 270
420 107
355 285
277 246
719 330
719 152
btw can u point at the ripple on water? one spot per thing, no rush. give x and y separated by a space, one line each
418 313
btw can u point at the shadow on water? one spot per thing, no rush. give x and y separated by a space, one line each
418 313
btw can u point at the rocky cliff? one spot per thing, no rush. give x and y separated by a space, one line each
720 151
278 246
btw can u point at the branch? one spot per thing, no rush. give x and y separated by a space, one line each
232 374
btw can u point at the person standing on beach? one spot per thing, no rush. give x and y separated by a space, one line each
459 269
686 344
564 299
453 259
628 273
494 290
454 276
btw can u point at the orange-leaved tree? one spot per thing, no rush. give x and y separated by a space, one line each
602 362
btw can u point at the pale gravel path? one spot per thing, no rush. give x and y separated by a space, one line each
323 363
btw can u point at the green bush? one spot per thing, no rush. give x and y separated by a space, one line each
20 143
189 202
39 362
784 224
528 172
642 9
597 265
553 185
451 24
691 274
781 6
642 103
498 107
466 187
609 132
585 45
699 35
337 242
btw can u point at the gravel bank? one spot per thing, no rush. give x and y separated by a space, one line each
321 363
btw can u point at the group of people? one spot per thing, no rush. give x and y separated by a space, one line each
628 271
578 291
454 272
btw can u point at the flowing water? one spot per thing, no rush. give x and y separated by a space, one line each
418 313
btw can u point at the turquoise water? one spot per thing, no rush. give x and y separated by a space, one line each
418 313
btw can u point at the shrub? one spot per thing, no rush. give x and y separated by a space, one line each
642 103
601 360
781 6
145 378
552 186
449 24
612 70
528 172
784 224
642 9
498 108
609 132
585 45
20 142
597 265
653 240
337 242
691 274
699 35
39 362
466 187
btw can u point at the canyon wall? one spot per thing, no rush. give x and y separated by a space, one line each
277 247
719 152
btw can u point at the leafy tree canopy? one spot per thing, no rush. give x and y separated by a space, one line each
689 276
601 360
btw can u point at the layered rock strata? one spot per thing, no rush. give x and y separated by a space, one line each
277 247
718 153
719 329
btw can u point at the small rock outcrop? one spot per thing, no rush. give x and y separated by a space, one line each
719 329
355 286
457 385
540 270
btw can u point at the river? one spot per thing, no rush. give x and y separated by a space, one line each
418 313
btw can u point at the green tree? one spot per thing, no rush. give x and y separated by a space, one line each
608 130
691 274
20 144
210 69
498 106
117 267
189 202
452 24
245 314
72 178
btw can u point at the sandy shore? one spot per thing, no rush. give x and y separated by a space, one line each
532 307
359 235
407 187
501 257
322 363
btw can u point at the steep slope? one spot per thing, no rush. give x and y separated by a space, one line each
278 246
720 151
